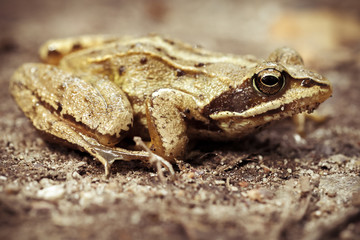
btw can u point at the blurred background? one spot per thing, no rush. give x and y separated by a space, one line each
316 28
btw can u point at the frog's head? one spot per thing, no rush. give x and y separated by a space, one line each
276 88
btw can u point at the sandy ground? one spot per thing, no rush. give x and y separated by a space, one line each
268 186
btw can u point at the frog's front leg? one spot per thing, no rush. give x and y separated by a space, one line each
167 111
300 120
89 112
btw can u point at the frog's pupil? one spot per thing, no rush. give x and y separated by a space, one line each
270 80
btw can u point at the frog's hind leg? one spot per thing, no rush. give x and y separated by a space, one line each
54 50
88 115
54 126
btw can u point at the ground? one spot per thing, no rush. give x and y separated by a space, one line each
271 185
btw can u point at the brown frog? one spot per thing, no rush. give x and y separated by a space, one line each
93 91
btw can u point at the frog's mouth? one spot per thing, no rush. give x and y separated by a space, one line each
289 104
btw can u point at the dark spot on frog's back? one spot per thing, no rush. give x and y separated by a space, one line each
59 109
200 64
171 42
53 53
143 60
180 73
121 70
76 46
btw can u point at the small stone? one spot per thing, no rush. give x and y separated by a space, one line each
265 168
135 218
12 188
356 199
317 213
219 182
42 206
243 184
191 175
161 193
46 182
76 175
305 185
255 194
259 194
3 178
51 193
331 193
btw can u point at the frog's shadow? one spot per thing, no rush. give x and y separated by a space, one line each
206 150
277 142
201 152
61 147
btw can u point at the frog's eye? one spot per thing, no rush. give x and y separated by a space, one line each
268 81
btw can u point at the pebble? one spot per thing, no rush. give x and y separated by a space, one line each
305 185
3 178
219 182
76 175
12 188
331 193
317 213
51 193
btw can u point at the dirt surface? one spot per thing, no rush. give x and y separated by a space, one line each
272 185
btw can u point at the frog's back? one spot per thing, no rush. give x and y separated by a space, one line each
173 51
142 65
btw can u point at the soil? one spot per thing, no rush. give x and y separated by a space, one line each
272 185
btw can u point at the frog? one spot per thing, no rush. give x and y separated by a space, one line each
97 93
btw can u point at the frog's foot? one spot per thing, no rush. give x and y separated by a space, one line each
156 159
300 120
108 155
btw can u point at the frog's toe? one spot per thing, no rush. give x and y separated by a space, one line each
159 161
108 155
107 167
